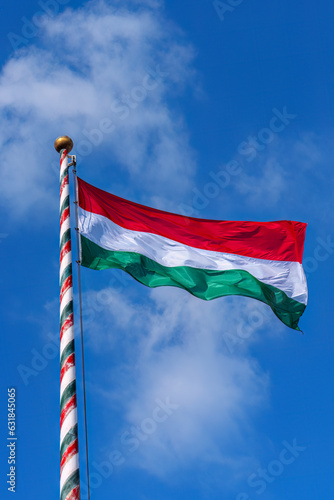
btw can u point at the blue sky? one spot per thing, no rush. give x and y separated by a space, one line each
214 109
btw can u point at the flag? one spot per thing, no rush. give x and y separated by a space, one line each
208 258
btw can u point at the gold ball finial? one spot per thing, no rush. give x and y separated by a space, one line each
63 142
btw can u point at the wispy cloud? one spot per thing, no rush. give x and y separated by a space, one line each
282 173
291 179
106 84
176 348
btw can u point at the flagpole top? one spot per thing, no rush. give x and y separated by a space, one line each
63 142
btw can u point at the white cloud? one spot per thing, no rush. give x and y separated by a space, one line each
175 348
267 187
291 176
117 65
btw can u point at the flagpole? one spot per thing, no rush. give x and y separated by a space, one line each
76 202
69 452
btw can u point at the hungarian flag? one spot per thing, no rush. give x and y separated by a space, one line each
208 258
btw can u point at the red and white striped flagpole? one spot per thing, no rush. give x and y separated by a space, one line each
69 454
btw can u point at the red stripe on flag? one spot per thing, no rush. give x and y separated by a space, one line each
278 240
